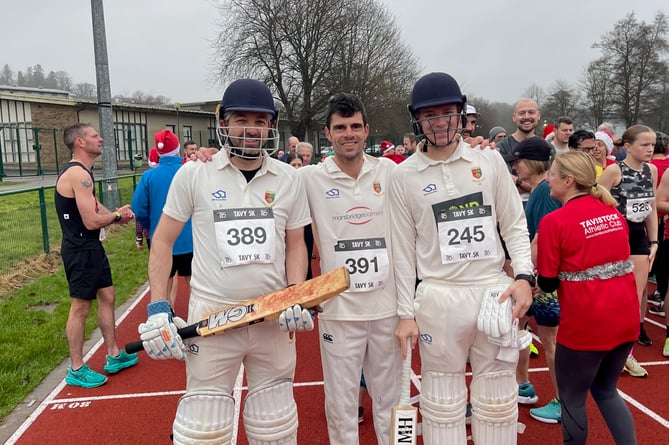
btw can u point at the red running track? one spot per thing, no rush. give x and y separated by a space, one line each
138 404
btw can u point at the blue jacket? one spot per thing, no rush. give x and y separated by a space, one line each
149 200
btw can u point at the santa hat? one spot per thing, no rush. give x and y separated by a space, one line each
386 146
154 158
606 138
167 143
548 130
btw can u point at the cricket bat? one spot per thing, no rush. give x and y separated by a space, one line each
309 294
404 417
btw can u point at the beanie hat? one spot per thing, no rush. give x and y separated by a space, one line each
494 131
548 130
386 146
606 138
167 143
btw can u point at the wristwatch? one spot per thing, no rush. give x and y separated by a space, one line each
117 217
529 278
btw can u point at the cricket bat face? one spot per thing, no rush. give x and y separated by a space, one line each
309 293
404 416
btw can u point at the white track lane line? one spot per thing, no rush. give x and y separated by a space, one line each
644 409
52 395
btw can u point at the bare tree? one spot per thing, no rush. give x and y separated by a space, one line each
596 97
84 91
306 50
633 61
535 92
562 100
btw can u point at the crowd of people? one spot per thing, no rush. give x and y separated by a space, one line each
454 243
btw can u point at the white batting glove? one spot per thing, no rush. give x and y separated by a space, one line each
159 334
296 318
495 319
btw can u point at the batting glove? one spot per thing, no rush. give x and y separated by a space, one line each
296 318
159 334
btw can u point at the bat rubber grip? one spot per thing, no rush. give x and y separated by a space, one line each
189 331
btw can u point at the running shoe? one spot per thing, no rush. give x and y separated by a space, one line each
551 413
665 351
84 377
534 352
526 394
657 310
655 298
644 339
120 362
633 368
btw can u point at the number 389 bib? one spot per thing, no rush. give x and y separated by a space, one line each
465 234
245 235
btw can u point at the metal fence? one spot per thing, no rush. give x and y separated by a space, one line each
29 224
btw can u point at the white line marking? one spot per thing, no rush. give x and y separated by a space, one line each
48 400
644 409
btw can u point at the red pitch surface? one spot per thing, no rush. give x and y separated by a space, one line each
138 404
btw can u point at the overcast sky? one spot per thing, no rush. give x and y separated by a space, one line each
494 48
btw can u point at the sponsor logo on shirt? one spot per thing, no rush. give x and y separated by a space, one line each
377 188
429 189
219 195
328 338
477 174
332 193
358 215
269 197
194 348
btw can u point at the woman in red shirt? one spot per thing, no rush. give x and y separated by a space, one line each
583 252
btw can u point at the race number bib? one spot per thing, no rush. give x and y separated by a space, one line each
465 234
245 235
367 262
639 206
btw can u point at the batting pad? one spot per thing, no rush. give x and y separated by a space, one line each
270 415
204 418
443 404
494 398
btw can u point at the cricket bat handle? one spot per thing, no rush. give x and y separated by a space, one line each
189 331
405 392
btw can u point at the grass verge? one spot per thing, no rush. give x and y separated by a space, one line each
33 315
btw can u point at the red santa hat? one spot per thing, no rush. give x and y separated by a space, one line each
386 146
548 130
167 143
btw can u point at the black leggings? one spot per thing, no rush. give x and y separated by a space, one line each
596 371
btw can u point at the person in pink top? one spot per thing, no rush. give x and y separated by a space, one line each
583 253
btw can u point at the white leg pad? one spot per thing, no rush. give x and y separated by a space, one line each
494 398
443 404
270 415
204 418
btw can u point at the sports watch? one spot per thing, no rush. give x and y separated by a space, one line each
529 278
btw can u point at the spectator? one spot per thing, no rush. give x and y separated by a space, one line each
564 127
149 199
83 219
306 151
294 160
588 263
472 117
292 147
388 151
190 148
662 260
496 134
409 142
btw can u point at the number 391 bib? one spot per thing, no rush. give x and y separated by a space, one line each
245 235
367 262
465 234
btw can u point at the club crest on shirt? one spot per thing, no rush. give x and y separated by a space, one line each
377 188
269 197
477 174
